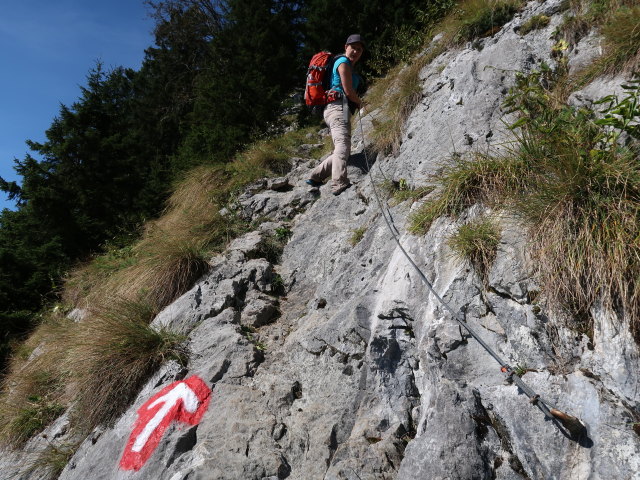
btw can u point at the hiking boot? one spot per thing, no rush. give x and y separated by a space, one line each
341 189
313 183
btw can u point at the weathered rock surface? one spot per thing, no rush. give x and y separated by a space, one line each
358 372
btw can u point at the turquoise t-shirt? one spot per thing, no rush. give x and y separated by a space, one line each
336 84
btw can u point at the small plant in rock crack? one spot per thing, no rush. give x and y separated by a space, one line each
248 333
54 458
357 235
283 233
534 23
520 370
277 285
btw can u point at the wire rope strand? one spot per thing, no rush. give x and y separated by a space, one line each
505 367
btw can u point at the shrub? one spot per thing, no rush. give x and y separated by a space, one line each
477 242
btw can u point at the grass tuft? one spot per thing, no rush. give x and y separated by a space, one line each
113 354
622 41
33 390
467 181
536 22
53 459
477 242
483 18
357 234
576 186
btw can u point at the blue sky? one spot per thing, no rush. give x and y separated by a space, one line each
46 50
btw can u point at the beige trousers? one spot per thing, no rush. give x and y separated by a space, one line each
336 116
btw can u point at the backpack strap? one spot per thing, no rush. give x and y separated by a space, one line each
333 95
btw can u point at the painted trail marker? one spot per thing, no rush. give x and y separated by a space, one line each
182 401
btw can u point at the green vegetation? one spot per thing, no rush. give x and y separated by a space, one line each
576 186
124 209
357 234
617 21
534 23
54 458
112 351
622 40
477 242
466 181
32 418
482 18
400 191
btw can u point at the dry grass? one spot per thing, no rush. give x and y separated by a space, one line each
576 188
111 355
400 91
466 181
33 393
622 41
100 363
618 21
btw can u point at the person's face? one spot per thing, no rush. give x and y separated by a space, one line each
353 51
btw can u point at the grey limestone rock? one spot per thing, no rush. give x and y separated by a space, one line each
362 373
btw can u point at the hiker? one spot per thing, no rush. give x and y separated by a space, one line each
344 83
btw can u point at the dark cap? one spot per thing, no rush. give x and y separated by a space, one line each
355 38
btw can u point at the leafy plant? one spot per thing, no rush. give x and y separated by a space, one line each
282 234
277 285
248 333
622 115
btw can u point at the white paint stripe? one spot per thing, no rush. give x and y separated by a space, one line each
170 399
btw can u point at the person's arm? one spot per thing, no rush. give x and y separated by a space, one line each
344 71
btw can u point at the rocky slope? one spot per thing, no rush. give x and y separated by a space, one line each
338 363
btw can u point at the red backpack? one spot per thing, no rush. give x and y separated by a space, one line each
316 92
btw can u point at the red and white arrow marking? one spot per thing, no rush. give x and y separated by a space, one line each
184 401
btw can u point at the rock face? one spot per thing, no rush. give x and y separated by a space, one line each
339 363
